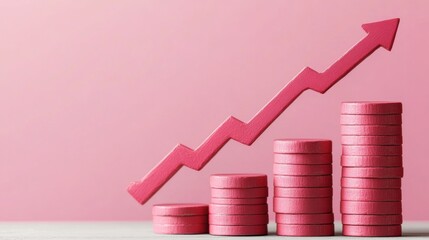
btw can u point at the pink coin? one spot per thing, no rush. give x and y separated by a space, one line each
181 229
238 180
371 119
305 219
302 146
302 205
371 108
300 158
371 161
238 220
238 230
239 201
180 209
303 181
259 192
303 192
180 220
371 140
305 230
302 170
372 172
371 208
372 231
371 220
238 209
376 195
371 130
366 183
371 150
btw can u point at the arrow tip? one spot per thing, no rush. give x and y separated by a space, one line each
383 31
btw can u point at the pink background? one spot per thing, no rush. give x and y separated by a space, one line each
94 93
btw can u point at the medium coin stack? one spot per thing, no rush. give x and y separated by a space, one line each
180 218
238 205
371 168
303 187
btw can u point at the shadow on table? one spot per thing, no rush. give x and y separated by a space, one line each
414 234
417 234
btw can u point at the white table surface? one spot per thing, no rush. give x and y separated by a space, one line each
143 230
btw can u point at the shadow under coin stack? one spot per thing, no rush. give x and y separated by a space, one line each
303 187
238 205
180 218
371 168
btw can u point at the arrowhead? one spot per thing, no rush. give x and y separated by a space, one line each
384 31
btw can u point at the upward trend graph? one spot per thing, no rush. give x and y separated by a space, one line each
379 34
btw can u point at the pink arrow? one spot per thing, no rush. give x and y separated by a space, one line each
380 34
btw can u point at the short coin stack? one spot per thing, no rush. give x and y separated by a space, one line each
371 168
180 218
303 187
238 204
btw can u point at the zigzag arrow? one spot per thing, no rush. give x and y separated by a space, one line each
380 34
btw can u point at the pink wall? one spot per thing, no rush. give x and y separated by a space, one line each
94 93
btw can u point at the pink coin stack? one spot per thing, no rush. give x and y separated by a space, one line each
180 218
238 205
303 187
371 168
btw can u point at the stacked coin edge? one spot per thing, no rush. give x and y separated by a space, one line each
182 218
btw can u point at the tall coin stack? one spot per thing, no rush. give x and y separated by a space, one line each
238 205
371 168
303 187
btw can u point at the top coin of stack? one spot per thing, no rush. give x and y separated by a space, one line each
303 187
238 204
371 168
